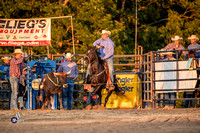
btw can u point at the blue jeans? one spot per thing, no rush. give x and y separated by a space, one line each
110 68
172 96
189 95
14 82
67 95
168 96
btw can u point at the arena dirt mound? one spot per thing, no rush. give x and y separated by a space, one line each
96 107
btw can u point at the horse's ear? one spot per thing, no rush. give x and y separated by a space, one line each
94 47
89 47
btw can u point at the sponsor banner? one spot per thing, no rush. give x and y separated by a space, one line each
26 32
130 85
25 43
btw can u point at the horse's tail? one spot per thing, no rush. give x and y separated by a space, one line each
117 89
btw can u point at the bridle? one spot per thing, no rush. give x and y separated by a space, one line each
90 63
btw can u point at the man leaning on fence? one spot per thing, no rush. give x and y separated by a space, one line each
176 46
194 45
15 73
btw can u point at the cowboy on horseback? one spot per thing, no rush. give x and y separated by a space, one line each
106 50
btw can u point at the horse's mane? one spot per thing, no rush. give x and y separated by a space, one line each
97 54
99 58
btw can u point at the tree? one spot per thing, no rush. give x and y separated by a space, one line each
158 21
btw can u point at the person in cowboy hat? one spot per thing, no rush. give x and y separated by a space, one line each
176 46
194 44
67 93
15 73
106 47
169 55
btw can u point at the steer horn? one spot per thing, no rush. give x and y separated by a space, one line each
69 72
62 73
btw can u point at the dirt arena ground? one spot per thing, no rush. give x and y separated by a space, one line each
103 121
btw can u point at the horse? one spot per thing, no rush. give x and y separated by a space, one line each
97 77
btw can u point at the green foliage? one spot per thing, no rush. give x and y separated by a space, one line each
158 21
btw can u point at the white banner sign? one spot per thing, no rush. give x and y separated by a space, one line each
26 32
172 75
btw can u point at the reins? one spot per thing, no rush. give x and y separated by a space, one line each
96 75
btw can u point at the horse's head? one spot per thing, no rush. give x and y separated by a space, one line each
91 54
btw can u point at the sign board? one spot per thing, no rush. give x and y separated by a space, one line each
130 85
175 76
26 32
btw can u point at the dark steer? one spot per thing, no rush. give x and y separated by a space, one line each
53 83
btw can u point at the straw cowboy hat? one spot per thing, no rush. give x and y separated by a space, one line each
68 55
18 51
165 53
169 53
6 58
161 53
176 38
193 37
105 32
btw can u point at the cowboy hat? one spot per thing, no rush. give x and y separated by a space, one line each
166 53
193 37
176 38
161 53
18 51
68 55
105 32
6 58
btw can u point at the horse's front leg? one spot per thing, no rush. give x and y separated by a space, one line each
96 90
107 97
99 98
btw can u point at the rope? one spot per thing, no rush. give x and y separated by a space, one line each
53 49
52 81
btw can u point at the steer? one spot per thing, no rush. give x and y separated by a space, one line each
53 83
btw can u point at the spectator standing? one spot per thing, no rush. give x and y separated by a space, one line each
170 95
176 46
194 45
5 77
5 67
22 82
15 73
68 92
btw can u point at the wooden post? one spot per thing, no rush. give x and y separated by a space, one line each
48 51
73 36
135 27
